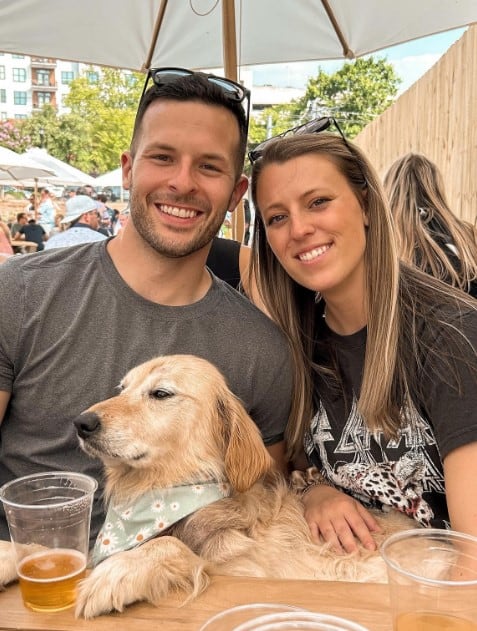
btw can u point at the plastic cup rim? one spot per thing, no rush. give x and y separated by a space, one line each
239 608
301 616
421 533
48 474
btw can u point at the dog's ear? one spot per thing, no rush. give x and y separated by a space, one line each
246 457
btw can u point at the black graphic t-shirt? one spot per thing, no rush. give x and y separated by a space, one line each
405 473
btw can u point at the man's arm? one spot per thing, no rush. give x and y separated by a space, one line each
4 399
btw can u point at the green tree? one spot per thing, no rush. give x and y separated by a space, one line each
355 94
107 109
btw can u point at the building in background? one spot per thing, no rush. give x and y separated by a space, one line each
28 83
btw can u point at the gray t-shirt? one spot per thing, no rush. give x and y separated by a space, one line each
70 329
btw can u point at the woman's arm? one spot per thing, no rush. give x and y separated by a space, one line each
460 475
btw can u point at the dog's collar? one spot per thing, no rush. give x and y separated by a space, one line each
130 524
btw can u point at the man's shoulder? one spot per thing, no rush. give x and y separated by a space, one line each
63 258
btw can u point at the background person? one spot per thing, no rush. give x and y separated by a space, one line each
33 232
385 355
429 234
82 215
183 171
5 239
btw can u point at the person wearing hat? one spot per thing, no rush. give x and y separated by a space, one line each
83 218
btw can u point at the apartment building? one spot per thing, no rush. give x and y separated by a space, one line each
28 83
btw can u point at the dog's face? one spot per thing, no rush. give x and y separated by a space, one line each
174 418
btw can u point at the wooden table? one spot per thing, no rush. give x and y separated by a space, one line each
367 604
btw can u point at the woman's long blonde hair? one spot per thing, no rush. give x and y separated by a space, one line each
393 296
425 224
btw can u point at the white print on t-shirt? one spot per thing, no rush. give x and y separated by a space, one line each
397 482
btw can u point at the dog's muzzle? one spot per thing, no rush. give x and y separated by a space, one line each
87 424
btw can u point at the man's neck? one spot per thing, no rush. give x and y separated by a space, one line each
167 281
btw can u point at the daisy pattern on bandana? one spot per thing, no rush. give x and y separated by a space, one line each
133 523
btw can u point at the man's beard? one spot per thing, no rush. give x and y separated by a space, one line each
169 246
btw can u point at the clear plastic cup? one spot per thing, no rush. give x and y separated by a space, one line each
432 580
49 515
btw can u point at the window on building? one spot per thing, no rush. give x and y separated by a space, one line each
93 77
43 77
3 116
2 72
67 76
44 97
19 98
19 74
18 56
21 116
3 95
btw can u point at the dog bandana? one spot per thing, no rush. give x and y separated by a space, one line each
130 524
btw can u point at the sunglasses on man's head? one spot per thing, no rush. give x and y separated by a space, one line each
233 90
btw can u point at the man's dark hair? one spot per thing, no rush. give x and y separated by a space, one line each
21 216
194 87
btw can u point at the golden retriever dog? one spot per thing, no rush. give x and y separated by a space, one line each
175 424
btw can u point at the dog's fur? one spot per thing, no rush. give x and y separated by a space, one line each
176 422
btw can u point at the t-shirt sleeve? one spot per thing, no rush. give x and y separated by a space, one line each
451 400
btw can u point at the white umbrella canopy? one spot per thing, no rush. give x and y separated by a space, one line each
64 173
15 166
139 34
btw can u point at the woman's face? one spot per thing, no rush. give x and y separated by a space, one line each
314 224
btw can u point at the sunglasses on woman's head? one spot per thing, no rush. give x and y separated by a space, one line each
233 90
312 127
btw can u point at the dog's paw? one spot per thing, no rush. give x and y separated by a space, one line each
146 573
108 588
8 572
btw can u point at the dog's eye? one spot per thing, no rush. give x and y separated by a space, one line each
160 394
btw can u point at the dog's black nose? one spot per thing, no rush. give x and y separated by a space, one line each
87 424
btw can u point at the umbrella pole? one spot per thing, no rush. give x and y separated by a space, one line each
229 39
35 195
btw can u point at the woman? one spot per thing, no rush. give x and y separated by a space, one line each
384 355
5 239
429 235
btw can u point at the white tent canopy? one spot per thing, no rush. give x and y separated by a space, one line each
65 174
139 34
112 178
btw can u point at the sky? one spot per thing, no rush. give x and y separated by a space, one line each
411 60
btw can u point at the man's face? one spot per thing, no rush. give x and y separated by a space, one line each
182 178
23 220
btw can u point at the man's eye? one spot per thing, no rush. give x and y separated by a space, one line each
160 394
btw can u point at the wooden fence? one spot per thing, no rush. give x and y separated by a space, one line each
437 116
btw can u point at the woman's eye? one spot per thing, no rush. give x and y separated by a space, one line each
160 394
319 201
275 219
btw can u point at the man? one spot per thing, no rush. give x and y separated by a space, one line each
83 216
33 232
183 171
46 211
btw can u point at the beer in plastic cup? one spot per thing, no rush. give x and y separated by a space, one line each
49 515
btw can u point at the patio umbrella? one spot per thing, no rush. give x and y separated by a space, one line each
15 166
64 173
219 33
